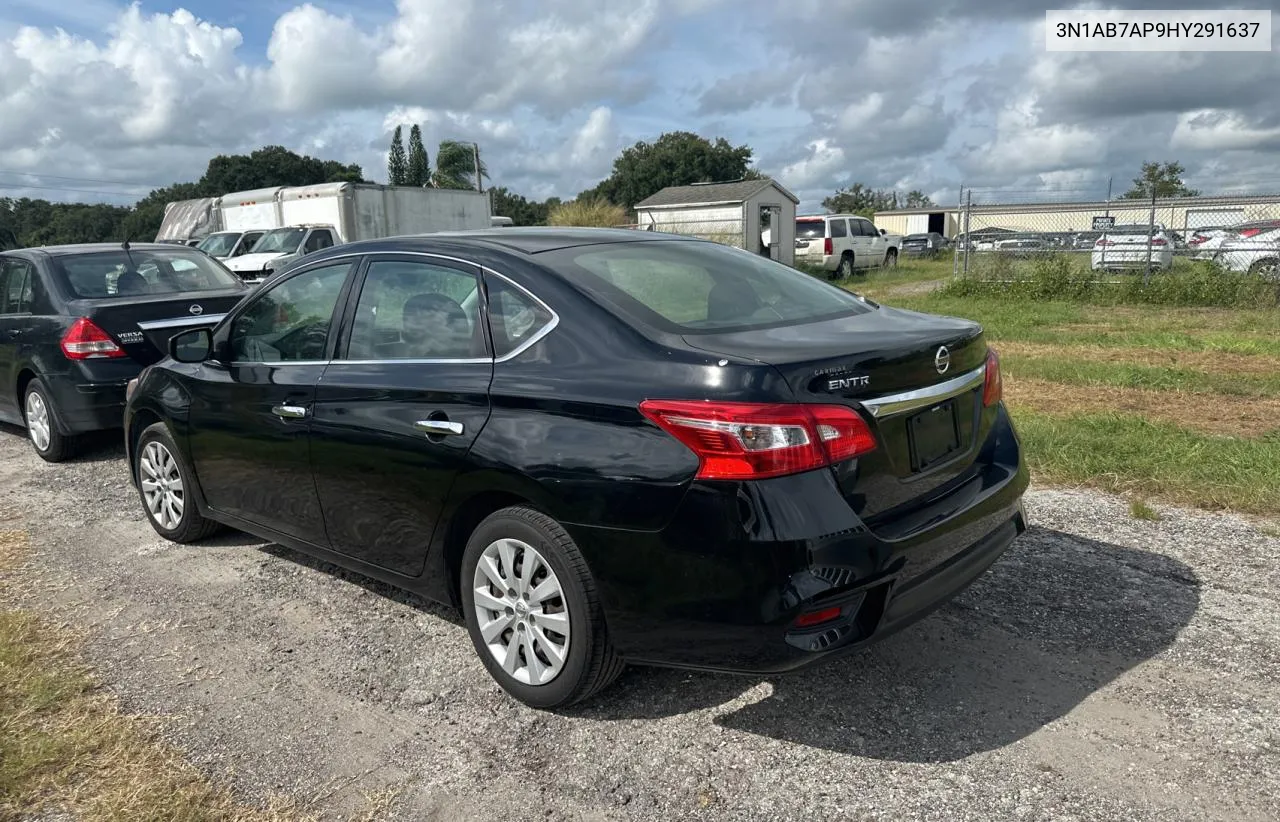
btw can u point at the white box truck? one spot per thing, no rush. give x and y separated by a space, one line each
320 216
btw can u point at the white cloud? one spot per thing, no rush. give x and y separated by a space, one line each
1222 131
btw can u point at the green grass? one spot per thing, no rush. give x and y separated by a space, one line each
1129 454
1139 509
1066 323
1072 371
1068 276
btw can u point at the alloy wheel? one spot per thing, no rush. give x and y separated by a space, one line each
161 483
521 611
39 424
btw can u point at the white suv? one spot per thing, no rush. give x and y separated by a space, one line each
841 243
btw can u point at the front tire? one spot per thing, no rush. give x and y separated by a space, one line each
891 259
42 425
164 485
532 611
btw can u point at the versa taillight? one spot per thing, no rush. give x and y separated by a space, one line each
742 441
86 341
993 385
827 247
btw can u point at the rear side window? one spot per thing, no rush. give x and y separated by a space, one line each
838 228
105 274
17 286
514 317
690 287
417 311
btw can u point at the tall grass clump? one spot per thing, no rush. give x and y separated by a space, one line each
1064 277
593 213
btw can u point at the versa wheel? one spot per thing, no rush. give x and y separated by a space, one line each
42 425
532 611
164 485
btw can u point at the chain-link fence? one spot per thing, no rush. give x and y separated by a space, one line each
1232 234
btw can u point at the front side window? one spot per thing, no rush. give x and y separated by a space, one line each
318 240
698 287
290 321
411 310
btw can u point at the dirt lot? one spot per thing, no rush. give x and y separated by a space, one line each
1106 668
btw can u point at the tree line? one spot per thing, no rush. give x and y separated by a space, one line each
674 158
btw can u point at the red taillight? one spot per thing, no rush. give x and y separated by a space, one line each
1102 243
993 385
827 247
817 617
1250 232
1158 241
743 441
86 341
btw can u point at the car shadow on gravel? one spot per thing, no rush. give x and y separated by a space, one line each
373 586
95 447
1054 621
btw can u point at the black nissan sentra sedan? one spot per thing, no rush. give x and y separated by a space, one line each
603 446
77 322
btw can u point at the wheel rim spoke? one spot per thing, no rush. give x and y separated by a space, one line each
529 642
160 480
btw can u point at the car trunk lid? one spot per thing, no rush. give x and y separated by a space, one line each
142 325
916 378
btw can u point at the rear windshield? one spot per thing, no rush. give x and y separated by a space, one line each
143 271
219 245
1132 229
809 229
700 287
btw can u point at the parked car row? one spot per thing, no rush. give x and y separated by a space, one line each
603 447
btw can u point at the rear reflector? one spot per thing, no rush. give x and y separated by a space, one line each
86 341
993 385
745 441
817 617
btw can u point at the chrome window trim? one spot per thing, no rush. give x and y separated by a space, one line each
181 322
892 404
515 352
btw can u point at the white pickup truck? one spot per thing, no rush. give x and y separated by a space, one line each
844 243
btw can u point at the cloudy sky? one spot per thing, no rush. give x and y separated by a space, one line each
104 100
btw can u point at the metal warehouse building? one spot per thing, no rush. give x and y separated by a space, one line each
1180 214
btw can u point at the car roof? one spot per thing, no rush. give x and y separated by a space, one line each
97 248
529 240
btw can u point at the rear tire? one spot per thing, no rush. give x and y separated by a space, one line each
1265 269
542 634
164 483
845 270
41 419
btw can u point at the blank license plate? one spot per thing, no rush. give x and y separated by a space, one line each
934 435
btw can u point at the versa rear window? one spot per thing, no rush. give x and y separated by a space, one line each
691 287
140 272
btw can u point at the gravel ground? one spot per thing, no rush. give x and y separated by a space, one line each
1105 668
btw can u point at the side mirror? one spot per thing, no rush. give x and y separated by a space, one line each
882 232
194 346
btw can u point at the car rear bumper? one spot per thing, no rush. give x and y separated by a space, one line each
1131 259
721 586
85 402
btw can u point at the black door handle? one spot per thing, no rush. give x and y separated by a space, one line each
13 333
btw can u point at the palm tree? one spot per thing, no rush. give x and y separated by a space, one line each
456 165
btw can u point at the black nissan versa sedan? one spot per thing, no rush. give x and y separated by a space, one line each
77 322
603 446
